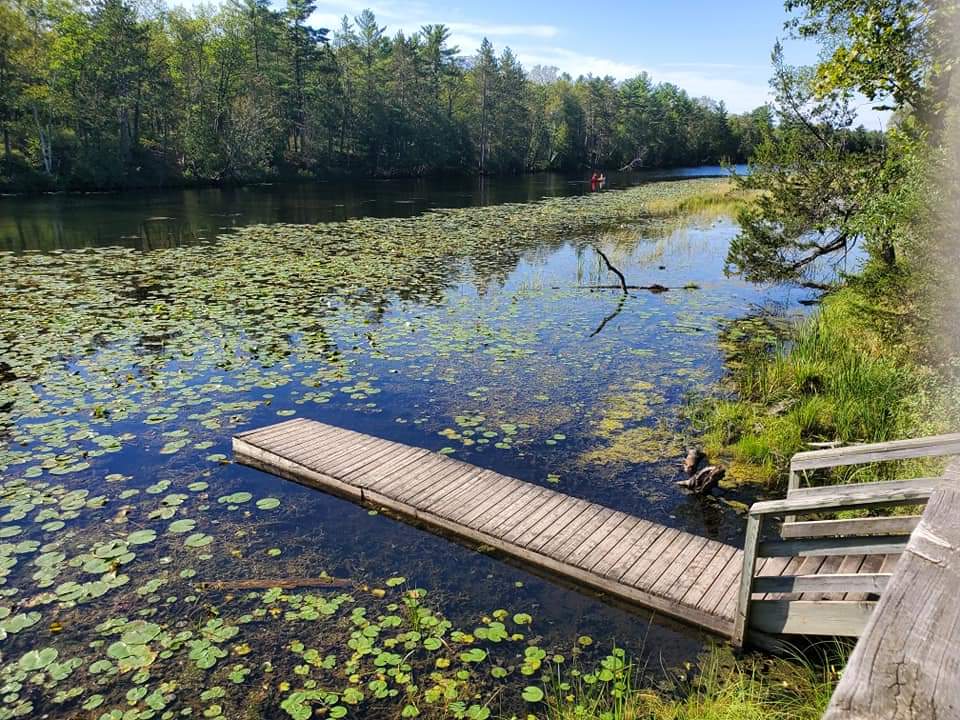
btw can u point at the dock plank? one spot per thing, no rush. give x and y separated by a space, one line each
584 527
636 560
609 543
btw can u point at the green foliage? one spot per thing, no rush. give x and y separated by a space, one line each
868 366
838 379
823 188
889 51
721 688
110 94
812 177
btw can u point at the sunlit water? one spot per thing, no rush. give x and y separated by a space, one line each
499 355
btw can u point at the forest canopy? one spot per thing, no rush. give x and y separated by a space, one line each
112 93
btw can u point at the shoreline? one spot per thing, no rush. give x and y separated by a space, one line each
8 192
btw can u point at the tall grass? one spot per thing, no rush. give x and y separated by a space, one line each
721 688
721 198
836 380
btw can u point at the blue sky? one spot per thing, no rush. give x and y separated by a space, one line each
707 48
721 50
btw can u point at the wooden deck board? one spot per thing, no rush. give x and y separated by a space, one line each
554 523
587 525
634 544
632 574
701 585
435 486
606 541
514 506
635 560
694 570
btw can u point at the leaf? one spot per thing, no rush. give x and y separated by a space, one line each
532 694
37 659
181 526
198 540
141 537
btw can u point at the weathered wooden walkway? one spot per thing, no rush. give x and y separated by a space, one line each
676 573
906 665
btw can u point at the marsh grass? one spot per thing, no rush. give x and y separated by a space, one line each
838 378
721 687
721 198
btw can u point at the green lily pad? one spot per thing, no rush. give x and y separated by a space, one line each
37 659
181 526
142 537
532 694
198 540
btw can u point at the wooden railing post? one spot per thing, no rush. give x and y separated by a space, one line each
793 482
750 545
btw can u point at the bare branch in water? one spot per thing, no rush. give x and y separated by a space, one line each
611 268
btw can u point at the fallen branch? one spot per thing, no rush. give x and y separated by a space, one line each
284 583
703 481
812 285
611 268
656 288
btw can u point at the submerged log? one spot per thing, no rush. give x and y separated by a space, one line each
704 480
284 583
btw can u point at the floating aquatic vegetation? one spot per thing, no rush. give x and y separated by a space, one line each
465 330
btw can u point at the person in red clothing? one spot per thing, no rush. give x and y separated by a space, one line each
594 180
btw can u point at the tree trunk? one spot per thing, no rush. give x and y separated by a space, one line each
46 151
888 254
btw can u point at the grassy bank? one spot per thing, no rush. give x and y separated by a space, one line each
854 371
721 688
721 197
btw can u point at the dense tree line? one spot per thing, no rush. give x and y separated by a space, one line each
109 93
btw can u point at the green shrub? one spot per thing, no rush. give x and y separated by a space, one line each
836 379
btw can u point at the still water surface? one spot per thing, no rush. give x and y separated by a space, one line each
499 356
148 220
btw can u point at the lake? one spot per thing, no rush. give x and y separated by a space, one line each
149 220
457 316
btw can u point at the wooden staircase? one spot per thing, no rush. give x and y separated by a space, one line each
825 575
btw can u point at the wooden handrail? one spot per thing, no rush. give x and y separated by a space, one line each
831 498
843 497
932 446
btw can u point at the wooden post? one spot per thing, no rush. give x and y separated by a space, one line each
904 667
793 482
750 544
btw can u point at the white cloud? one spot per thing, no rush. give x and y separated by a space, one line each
738 95
493 30
716 80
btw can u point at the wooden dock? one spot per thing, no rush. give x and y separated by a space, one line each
674 572
679 574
